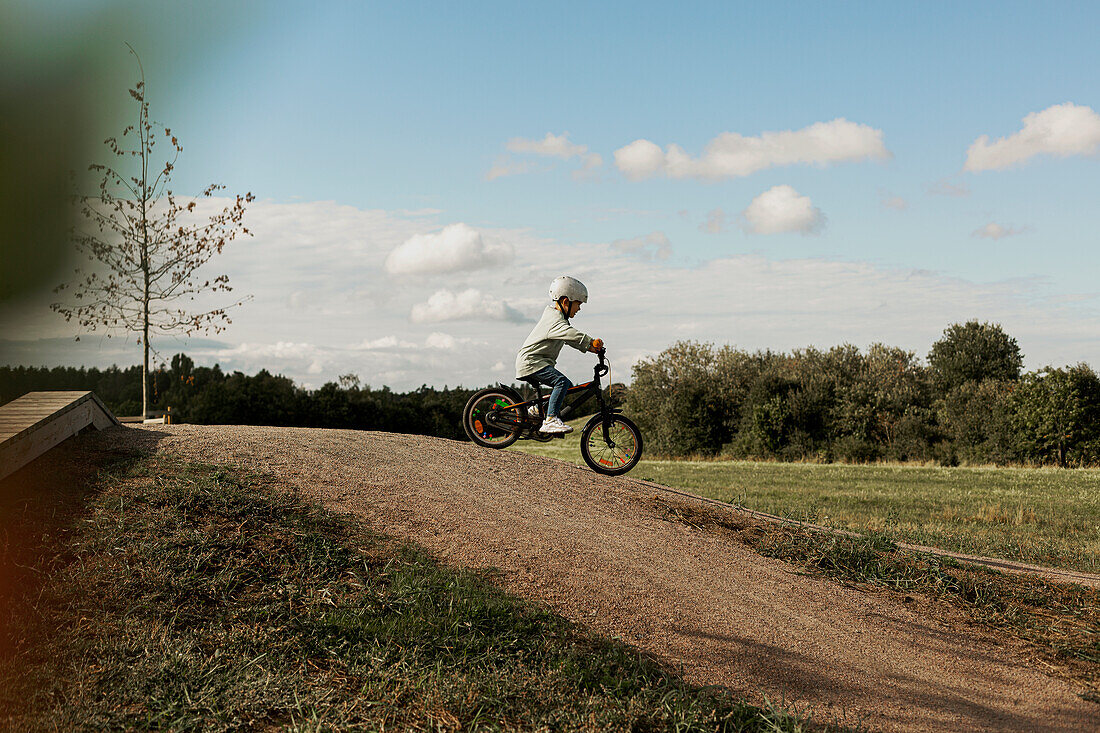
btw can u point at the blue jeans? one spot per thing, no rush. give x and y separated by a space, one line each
551 377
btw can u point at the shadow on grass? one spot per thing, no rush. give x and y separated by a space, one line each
188 596
42 506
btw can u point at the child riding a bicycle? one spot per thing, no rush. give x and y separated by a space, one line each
497 416
539 353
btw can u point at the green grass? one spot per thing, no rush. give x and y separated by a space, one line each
1061 620
1045 516
567 448
189 597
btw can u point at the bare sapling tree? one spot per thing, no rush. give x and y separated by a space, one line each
146 245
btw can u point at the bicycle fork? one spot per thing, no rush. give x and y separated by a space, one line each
607 414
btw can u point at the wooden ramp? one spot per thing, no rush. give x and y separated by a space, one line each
37 421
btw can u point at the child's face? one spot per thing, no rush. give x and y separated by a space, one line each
572 308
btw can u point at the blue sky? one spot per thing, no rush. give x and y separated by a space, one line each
406 107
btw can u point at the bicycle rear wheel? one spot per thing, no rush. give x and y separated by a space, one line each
618 457
489 422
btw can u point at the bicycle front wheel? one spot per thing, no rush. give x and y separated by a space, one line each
616 457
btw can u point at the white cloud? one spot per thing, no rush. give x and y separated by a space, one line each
551 146
731 155
277 350
384 342
275 357
437 340
640 159
782 209
589 171
993 230
457 247
897 203
715 223
445 341
654 245
470 304
434 340
1061 130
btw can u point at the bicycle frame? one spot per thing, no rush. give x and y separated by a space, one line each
581 393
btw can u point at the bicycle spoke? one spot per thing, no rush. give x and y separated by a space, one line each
620 454
479 419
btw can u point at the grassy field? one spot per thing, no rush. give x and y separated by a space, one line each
186 597
1044 516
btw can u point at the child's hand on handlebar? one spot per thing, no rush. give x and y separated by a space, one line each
597 344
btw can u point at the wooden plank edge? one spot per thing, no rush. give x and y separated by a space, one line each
108 417
14 456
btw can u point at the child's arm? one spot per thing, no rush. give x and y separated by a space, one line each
562 331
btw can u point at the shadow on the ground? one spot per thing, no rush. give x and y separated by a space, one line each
43 503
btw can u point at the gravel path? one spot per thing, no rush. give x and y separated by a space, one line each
597 551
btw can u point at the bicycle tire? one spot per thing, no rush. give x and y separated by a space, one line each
605 463
477 430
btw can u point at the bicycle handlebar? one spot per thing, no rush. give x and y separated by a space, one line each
601 368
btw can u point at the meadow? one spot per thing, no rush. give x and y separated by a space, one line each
1046 516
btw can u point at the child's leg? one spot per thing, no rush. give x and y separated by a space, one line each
553 378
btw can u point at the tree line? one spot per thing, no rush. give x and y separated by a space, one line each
207 395
970 403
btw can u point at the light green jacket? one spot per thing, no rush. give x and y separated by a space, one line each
543 345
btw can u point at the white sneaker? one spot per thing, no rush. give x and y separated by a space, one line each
533 410
555 425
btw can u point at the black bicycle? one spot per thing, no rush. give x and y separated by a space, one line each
611 444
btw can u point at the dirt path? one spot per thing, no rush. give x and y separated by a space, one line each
595 550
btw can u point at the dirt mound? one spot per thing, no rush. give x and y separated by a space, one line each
597 550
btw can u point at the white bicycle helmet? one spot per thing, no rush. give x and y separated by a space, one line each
568 287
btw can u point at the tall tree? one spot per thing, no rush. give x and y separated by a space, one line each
1057 414
974 352
146 246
